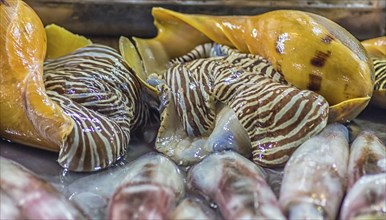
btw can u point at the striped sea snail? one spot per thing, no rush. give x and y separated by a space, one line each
260 85
216 98
83 105
311 51
376 48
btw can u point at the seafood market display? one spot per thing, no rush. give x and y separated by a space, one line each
149 191
236 185
84 105
276 116
25 196
311 51
314 180
217 117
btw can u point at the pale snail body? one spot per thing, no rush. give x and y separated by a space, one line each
365 196
150 189
314 179
236 185
26 195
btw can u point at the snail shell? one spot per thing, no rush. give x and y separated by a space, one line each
376 48
311 51
96 89
28 115
276 116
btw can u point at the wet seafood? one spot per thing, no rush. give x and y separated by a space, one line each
314 178
273 115
191 208
376 47
367 156
61 42
102 96
274 179
311 51
149 191
366 195
379 95
28 115
84 107
236 185
366 199
25 196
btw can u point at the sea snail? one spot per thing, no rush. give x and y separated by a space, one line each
311 51
216 98
376 48
85 104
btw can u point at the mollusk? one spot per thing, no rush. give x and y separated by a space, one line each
367 156
311 51
376 48
366 199
25 196
192 208
85 105
314 178
149 190
366 195
236 185
28 115
200 96
96 89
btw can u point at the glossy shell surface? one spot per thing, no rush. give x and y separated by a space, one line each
311 51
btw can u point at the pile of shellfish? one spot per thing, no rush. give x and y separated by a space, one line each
230 98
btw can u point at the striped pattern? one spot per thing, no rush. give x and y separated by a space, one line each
191 89
277 116
380 73
95 87
201 51
95 142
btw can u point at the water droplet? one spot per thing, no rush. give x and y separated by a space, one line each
213 205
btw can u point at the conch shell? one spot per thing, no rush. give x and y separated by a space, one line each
311 51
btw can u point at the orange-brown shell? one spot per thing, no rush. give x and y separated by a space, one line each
376 47
27 114
311 51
